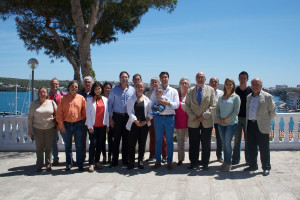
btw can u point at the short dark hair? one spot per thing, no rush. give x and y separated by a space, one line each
122 72
106 83
244 72
164 73
136 75
96 84
71 83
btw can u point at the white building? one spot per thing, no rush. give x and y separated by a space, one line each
293 100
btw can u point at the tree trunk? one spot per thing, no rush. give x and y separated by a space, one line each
85 60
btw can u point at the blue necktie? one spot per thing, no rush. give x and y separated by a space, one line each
199 96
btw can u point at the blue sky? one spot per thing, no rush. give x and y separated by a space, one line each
218 37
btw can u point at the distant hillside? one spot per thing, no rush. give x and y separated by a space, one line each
9 84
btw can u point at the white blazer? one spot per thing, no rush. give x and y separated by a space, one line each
91 112
130 110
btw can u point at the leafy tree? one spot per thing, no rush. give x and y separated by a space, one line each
66 29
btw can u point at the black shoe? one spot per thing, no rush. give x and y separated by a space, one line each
141 165
49 168
192 166
112 165
68 168
74 162
164 160
251 168
81 169
150 159
39 170
205 167
266 172
179 163
234 162
199 162
130 166
55 162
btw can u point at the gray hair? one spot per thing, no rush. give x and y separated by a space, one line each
184 79
154 79
88 78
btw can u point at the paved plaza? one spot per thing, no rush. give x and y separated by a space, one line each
18 180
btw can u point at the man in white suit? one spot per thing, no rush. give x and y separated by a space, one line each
200 104
260 110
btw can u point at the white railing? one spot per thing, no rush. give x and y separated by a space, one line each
13 134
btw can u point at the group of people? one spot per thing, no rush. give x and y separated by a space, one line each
124 113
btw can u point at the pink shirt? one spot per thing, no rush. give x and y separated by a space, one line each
181 117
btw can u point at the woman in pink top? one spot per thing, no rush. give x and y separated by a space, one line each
181 118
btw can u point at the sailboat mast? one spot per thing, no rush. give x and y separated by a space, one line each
16 98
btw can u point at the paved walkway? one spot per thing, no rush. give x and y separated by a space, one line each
18 180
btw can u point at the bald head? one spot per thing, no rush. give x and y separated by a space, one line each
214 82
200 79
256 85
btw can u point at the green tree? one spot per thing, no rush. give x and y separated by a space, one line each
66 29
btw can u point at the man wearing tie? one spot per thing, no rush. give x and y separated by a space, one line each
200 104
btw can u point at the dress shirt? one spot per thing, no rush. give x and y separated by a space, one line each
117 99
83 93
70 109
218 93
253 105
172 95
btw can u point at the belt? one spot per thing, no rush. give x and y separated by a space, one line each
72 122
252 120
166 115
120 114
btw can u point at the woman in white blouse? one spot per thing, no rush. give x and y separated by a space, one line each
97 118
138 109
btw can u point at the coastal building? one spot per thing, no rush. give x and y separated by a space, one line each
281 87
293 100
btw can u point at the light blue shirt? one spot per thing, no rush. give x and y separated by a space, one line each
229 107
253 105
117 99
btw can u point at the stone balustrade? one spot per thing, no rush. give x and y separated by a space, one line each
285 134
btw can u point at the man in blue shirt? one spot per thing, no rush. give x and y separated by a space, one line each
118 117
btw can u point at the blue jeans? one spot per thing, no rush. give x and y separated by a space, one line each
162 124
236 156
55 148
76 129
226 134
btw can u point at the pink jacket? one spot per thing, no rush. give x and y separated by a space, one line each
181 117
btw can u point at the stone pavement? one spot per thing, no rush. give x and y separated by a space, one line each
18 180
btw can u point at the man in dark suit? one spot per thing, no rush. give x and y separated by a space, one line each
260 110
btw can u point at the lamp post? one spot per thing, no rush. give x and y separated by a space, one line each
33 64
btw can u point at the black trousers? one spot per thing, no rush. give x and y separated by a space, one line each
84 136
256 138
219 142
97 144
195 136
137 134
110 141
120 132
